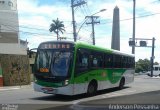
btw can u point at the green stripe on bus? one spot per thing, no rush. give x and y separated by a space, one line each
112 75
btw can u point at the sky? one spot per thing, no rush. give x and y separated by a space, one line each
35 17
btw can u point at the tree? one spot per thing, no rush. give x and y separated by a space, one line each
56 27
156 63
143 65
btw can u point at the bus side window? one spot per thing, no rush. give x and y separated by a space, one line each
96 60
122 61
108 61
133 63
126 62
82 61
114 61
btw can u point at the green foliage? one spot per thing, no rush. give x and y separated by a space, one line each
56 27
156 63
143 65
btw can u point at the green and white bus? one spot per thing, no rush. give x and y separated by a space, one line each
70 68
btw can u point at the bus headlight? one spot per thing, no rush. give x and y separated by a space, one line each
66 82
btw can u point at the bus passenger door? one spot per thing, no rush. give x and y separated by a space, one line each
81 69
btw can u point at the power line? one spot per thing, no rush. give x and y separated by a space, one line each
41 27
132 18
13 27
73 5
83 11
25 32
88 9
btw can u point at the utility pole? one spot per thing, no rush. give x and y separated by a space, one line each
93 21
143 43
134 6
152 57
73 5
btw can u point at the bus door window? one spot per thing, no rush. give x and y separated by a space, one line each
82 61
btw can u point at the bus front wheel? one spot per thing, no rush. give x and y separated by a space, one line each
92 88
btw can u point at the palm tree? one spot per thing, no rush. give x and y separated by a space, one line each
56 27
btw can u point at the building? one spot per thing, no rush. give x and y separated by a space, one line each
9 28
13 51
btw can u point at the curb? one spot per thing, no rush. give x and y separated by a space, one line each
152 77
8 89
14 87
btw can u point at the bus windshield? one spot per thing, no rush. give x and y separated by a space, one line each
54 62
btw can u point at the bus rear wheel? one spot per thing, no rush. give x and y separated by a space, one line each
121 84
92 89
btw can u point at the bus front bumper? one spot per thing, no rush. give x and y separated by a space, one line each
47 90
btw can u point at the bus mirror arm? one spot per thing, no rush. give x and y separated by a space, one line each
30 52
33 49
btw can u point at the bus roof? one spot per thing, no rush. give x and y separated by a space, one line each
57 42
80 44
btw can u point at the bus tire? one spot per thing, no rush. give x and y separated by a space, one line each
121 84
92 88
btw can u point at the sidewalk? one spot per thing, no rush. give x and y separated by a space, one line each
8 88
148 77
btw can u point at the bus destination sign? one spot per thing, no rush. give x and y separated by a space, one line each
55 46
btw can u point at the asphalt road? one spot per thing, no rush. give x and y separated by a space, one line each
148 100
136 101
144 90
